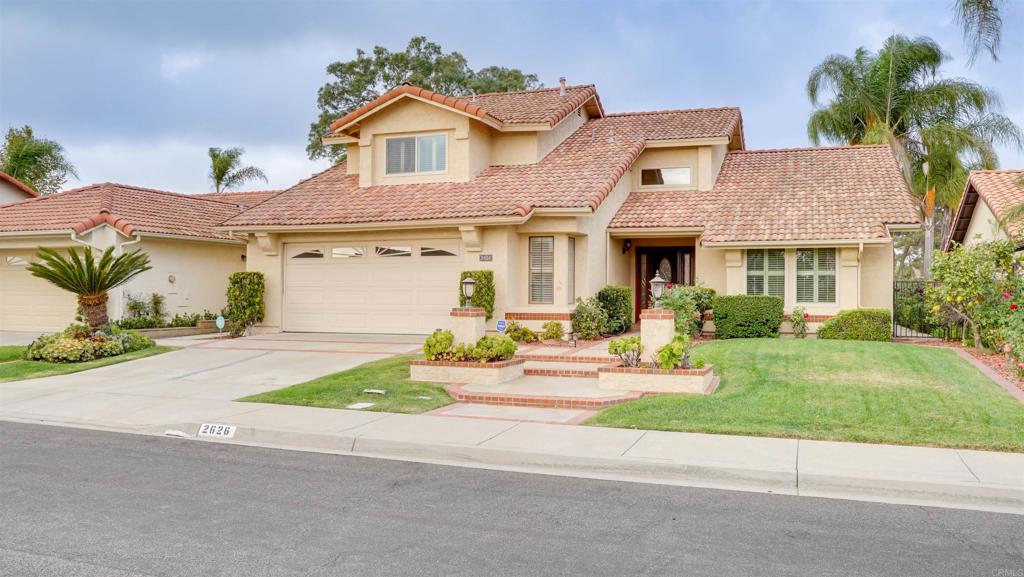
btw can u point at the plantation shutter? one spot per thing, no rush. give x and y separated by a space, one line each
570 288
542 268
401 155
766 272
826 273
816 275
431 153
755 272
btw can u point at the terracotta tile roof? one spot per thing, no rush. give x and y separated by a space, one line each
17 184
242 198
1001 190
579 173
130 209
840 193
546 105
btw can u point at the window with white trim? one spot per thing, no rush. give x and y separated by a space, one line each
766 272
542 269
411 154
668 176
816 275
570 288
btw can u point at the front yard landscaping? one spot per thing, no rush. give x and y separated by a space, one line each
340 390
837 390
13 366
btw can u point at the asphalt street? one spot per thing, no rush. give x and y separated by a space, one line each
79 502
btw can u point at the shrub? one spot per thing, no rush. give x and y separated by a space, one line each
483 295
858 325
107 348
1013 331
245 298
519 333
628 349
438 346
589 320
77 343
136 306
701 297
747 316
146 322
494 348
798 318
676 354
680 300
617 303
552 331
58 348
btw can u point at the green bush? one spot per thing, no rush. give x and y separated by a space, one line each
77 343
245 298
589 321
676 354
617 303
553 331
483 295
520 334
858 325
747 316
494 348
798 318
145 322
680 300
628 349
702 297
438 346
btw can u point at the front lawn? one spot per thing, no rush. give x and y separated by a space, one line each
14 368
838 390
339 390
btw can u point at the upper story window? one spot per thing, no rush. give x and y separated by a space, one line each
816 275
766 272
411 154
670 176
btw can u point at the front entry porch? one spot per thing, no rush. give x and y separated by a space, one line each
675 264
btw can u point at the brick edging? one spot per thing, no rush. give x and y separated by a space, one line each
526 316
468 312
468 364
656 371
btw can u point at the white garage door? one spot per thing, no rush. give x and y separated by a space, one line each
28 303
402 286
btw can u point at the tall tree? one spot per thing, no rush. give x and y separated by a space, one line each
982 25
40 163
422 63
896 96
227 172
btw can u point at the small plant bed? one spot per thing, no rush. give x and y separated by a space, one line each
20 369
339 390
837 390
488 362
671 371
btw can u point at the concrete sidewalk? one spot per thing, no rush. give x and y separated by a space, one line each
913 475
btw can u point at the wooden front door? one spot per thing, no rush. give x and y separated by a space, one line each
674 263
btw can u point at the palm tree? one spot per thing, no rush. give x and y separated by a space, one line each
896 97
982 26
226 171
40 163
88 278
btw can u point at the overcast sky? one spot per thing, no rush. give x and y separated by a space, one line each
137 91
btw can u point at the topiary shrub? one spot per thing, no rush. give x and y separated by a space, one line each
552 331
589 321
438 346
245 298
747 316
617 303
494 348
483 295
858 325
520 334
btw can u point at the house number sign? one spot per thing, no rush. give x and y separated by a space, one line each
216 431
486 257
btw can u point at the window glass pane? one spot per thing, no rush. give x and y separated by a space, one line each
775 260
16 261
776 285
651 177
804 260
673 176
401 155
428 251
431 153
826 288
570 291
312 253
347 252
388 251
805 288
755 284
755 260
542 255
826 259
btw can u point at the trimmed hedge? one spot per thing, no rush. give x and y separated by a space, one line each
245 298
858 325
746 316
617 302
483 295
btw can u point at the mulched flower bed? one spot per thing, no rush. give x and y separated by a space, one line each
995 361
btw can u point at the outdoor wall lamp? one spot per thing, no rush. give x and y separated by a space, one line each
468 288
657 287
626 245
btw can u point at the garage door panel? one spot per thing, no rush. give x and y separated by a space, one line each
32 304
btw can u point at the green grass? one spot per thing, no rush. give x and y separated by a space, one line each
18 369
338 390
838 390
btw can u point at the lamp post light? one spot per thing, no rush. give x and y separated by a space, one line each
657 287
468 288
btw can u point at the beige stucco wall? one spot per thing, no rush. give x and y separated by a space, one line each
513 148
876 276
10 193
548 140
984 226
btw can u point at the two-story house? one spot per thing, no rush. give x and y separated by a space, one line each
559 199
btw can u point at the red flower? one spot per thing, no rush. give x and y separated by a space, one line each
806 316
1013 306
1006 296
668 286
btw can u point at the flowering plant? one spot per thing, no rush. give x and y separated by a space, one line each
798 318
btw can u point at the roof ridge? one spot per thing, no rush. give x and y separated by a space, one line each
808 148
546 89
672 111
996 170
154 190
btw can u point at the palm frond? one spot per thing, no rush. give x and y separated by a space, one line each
83 274
982 26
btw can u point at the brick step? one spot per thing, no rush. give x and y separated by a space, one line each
546 358
539 401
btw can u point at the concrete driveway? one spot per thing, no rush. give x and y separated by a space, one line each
204 376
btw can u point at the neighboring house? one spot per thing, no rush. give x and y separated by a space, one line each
988 197
13 190
560 199
191 260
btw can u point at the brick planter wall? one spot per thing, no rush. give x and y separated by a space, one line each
655 380
466 372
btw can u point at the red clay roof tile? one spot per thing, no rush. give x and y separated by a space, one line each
17 184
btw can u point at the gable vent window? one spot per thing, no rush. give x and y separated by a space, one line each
391 251
542 269
766 272
410 154
430 251
816 275
677 176
312 253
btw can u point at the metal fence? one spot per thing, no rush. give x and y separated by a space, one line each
911 317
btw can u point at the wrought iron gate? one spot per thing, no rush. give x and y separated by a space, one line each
911 317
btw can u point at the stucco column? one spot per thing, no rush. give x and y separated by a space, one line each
468 324
735 281
657 329
848 281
